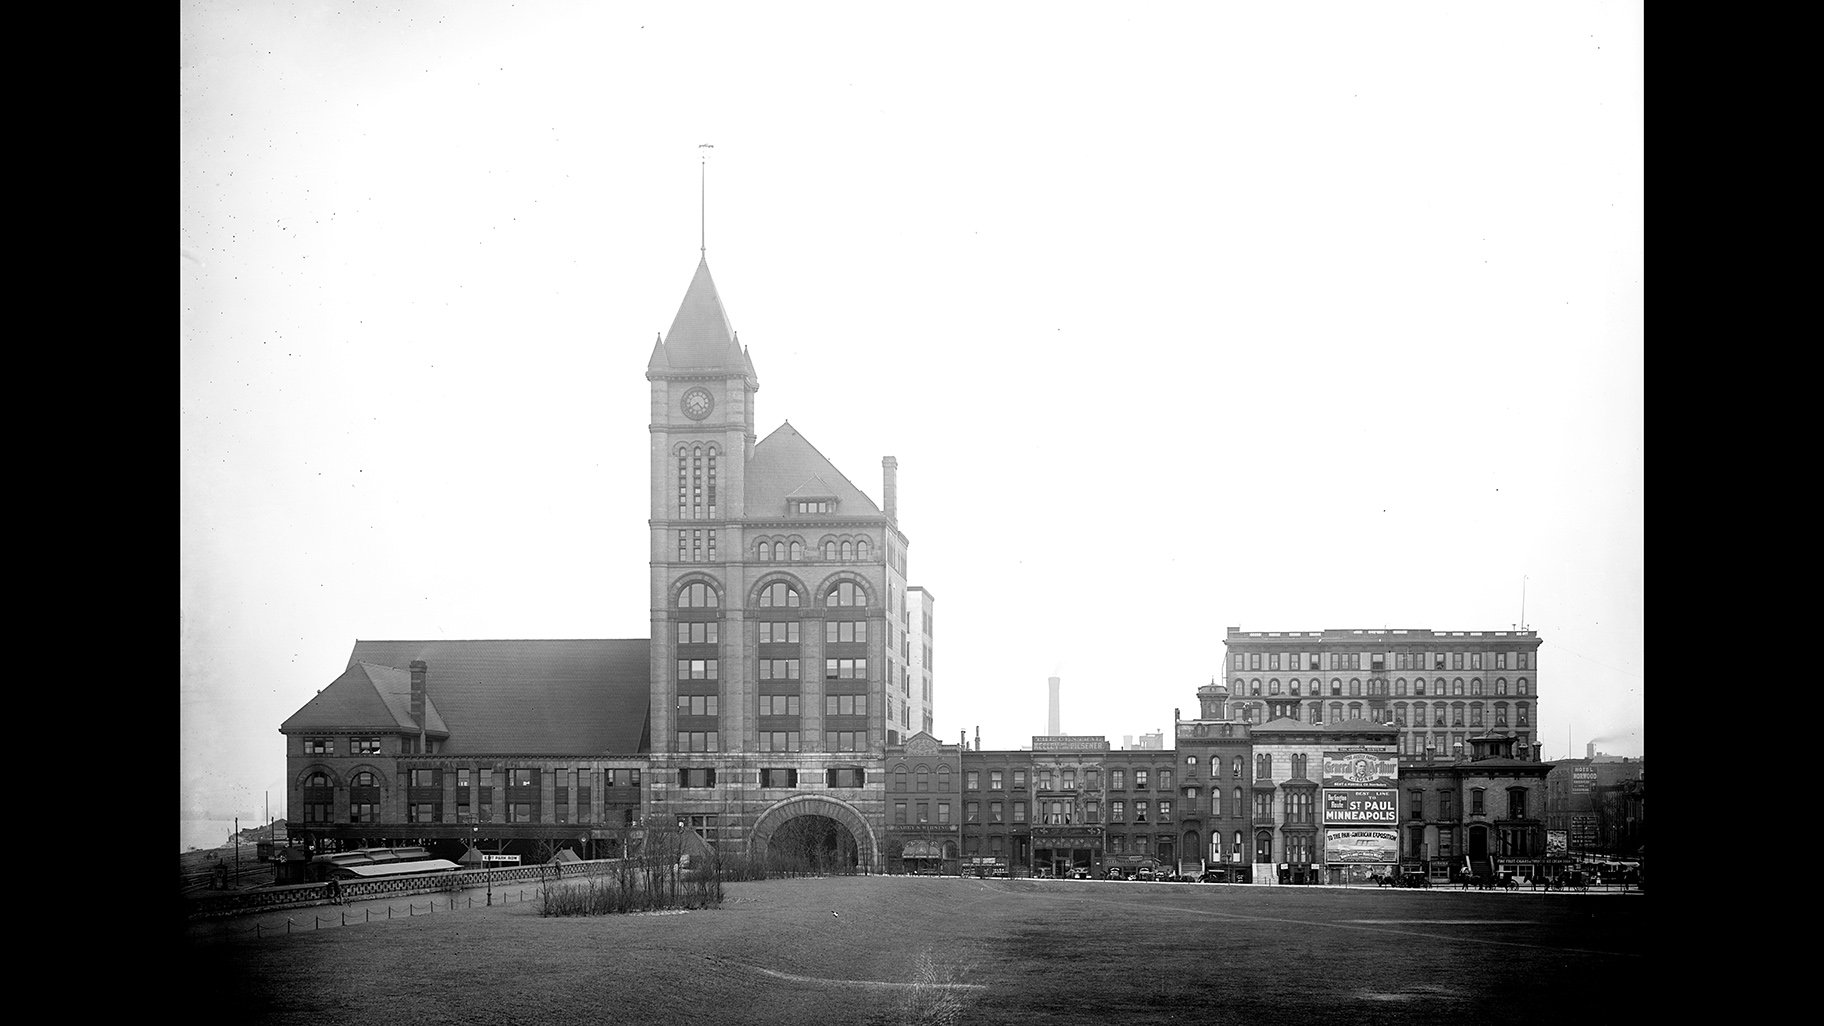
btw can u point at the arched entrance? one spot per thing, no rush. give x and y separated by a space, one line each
815 834
1478 842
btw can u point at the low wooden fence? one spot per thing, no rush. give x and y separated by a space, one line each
304 895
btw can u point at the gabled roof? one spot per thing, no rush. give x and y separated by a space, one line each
700 338
366 696
527 697
784 464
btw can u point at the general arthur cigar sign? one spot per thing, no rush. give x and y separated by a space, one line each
1360 769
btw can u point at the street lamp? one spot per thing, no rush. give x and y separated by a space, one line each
488 867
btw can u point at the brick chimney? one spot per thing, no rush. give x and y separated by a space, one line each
889 488
418 669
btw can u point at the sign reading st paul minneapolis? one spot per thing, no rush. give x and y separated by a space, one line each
1361 805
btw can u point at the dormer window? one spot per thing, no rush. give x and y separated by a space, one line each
807 506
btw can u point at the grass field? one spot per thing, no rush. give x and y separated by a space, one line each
894 950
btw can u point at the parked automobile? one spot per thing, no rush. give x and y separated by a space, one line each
999 871
1079 873
1114 873
1211 876
1145 873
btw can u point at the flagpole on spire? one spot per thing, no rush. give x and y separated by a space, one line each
702 199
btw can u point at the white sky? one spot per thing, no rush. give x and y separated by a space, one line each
1177 317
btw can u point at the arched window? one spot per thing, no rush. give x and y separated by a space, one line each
1475 686
1263 767
317 780
943 778
697 596
1399 686
1456 686
829 549
765 552
1292 687
848 550
1190 760
779 551
1520 686
1355 687
861 549
899 779
797 551
1273 686
1236 773
1254 686
365 778
1500 685
846 593
1336 686
779 594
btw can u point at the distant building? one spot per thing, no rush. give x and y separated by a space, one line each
1596 806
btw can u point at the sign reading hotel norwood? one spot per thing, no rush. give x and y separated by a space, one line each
1360 769
1069 743
1352 806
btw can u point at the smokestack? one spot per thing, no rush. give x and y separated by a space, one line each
889 487
978 737
418 669
1591 750
963 739
1052 723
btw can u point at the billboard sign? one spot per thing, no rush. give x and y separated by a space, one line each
1583 779
1069 743
1361 847
1360 769
1557 844
1378 806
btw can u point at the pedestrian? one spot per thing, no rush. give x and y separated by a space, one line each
335 890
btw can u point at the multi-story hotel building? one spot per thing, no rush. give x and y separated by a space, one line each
1436 688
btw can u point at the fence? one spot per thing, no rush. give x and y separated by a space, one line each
339 916
305 895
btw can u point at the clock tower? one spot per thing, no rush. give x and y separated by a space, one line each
702 434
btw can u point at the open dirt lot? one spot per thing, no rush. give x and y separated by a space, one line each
927 950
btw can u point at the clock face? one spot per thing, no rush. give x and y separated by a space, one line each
697 403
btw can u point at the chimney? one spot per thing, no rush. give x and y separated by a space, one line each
1052 723
889 487
1591 750
418 669
963 739
978 737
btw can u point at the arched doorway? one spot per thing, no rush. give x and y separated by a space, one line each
1478 842
815 834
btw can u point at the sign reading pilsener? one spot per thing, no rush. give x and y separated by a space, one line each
1357 806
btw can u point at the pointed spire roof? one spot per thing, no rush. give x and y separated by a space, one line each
700 338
